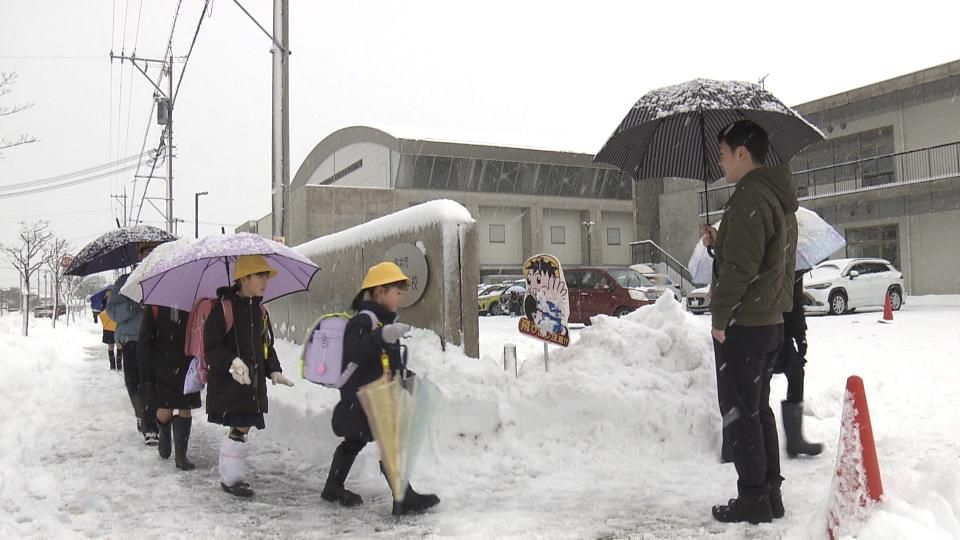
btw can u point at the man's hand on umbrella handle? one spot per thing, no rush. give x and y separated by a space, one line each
708 234
239 371
277 378
719 335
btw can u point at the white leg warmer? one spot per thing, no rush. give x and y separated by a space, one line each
233 461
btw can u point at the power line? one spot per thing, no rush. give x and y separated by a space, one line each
193 42
67 176
71 183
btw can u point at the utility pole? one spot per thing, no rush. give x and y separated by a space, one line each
196 213
281 123
164 115
124 199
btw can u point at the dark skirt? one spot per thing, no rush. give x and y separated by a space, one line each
171 396
108 337
238 420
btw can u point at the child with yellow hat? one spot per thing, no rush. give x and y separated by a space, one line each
240 359
371 341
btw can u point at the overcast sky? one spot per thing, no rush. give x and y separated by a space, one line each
556 75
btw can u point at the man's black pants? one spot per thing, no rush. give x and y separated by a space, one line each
139 398
744 368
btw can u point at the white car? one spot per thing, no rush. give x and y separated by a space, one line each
698 300
844 285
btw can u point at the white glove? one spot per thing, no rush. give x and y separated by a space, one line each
278 378
393 332
240 371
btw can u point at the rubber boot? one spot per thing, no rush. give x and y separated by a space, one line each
333 490
753 506
113 360
165 445
119 355
413 502
181 440
792 414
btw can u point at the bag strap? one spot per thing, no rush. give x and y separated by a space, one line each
227 312
373 318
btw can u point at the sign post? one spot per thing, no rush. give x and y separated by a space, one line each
546 306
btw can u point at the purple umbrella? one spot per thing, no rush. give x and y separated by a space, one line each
200 269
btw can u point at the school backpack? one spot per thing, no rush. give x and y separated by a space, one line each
321 361
193 345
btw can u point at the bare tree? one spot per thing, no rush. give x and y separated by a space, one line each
55 258
6 81
27 258
73 296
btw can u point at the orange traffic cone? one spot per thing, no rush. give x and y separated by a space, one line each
857 485
887 310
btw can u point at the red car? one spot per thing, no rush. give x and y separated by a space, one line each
606 291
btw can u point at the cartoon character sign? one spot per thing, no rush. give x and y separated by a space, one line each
547 303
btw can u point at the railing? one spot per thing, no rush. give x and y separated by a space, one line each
649 253
913 166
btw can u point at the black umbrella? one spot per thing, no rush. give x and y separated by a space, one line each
672 131
116 249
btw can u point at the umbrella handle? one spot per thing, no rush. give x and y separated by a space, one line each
710 252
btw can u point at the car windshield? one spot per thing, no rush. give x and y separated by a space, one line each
630 278
492 289
824 271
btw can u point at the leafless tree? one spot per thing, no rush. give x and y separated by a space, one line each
54 259
27 258
6 81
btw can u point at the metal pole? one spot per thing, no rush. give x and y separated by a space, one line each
170 146
196 213
281 128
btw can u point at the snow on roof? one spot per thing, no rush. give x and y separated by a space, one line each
417 217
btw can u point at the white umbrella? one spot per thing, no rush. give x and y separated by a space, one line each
816 240
131 289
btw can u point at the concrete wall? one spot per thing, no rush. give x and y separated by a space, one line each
375 171
615 254
571 251
933 253
448 305
511 251
679 217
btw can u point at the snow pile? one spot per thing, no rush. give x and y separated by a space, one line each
37 381
410 219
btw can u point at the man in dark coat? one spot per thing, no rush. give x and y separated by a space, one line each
163 369
751 289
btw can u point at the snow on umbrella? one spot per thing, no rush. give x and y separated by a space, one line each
399 411
816 240
131 289
672 132
198 270
116 249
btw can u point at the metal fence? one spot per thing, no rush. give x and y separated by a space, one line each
913 166
649 253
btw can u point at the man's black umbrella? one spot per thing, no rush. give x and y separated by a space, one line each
672 132
116 249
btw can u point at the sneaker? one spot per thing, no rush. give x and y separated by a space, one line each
240 489
151 439
753 508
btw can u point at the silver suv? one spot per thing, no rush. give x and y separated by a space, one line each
843 285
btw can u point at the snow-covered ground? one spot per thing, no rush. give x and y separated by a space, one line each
619 440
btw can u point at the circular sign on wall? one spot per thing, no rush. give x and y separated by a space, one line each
414 264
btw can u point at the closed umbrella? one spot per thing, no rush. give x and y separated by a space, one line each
116 249
672 132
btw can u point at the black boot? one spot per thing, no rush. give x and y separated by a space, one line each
181 439
776 497
119 355
165 445
753 506
333 490
113 360
726 449
414 502
792 412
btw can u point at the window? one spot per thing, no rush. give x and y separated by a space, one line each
613 236
441 172
498 233
558 234
342 172
422 168
881 241
574 279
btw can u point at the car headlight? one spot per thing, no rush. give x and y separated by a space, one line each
820 286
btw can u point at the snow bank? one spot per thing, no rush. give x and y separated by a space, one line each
642 385
440 211
36 382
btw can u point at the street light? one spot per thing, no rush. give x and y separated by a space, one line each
588 224
196 213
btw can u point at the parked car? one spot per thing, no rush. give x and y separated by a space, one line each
488 301
698 300
843 285
607 291
46 311
661 282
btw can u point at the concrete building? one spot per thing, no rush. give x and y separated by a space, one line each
525 201
887 177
